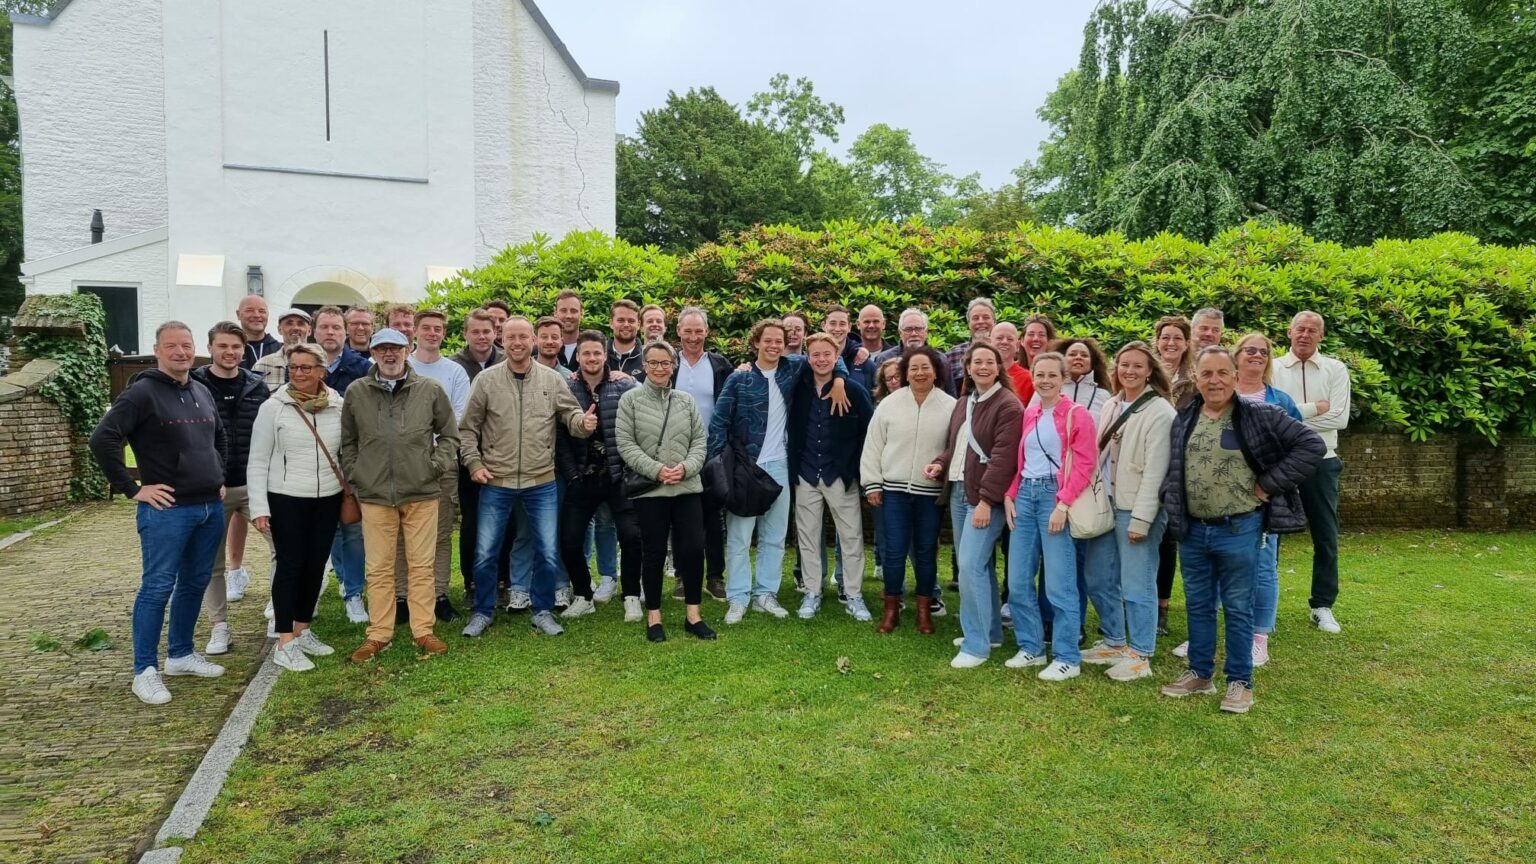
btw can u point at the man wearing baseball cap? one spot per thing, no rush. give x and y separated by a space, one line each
293 326
398 437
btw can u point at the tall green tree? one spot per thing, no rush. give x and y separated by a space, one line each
1496 140
11 253
897 182
1330 114
797 113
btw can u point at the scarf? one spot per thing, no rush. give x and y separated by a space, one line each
312 403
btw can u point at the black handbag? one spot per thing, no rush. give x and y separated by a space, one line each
736 482
636 484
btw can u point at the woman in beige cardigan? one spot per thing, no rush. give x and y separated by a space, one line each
1121 570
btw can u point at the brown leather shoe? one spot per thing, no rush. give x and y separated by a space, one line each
368 650
431 644
892 615
925 615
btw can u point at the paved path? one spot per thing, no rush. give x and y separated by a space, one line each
86 771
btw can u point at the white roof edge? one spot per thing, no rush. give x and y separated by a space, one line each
94 251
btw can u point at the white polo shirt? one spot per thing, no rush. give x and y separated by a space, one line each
1313 380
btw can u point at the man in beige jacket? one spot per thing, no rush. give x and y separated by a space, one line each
509 450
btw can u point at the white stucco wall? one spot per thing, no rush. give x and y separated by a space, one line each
143 267
544 143
90 91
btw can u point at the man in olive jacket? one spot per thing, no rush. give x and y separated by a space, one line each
398 436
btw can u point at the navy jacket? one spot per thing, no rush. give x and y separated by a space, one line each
571 452
238 418
843 438
349 367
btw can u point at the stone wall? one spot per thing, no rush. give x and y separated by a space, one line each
35 440
1447 482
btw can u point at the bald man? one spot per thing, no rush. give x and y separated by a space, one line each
252 315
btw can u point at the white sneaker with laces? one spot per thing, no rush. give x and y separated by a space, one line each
857 609
579 607
606 588
218 640
1260 649
632 610
1024 659
1322 616
1060 671
809 606
735 613
193 664
966 661
563 597
291 657
770 604
519 601
149 688
357 613
1182 650
309 643
235 583
1104 654
960 640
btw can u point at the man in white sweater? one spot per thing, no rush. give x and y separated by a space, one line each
1320 386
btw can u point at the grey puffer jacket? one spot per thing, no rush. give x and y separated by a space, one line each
642 413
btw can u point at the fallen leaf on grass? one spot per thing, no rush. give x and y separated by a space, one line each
95 639
42 643
844 665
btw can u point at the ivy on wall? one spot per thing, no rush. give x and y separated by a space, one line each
81 385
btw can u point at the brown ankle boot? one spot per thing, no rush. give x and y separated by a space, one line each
925 615
892 615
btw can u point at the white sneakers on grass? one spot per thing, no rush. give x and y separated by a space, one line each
309 643
966 661
856 608
632 610
735 612
1322 616
193 664
1024 660
809 606
356 612
579 606
292 657
606 588
1060 671
218 640
149 688
770 604
235 583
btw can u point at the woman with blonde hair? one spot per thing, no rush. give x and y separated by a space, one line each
1172 334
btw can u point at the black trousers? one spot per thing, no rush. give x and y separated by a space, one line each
469 532
680 518
714 538
1320 500
576 511
1167 563
302 529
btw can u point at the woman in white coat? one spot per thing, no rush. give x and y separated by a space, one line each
296 497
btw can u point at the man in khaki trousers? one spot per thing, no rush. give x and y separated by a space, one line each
395 472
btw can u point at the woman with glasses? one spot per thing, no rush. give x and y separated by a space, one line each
296 497
1172 336
661 438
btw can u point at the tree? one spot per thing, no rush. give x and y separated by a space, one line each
1004 208
899 183
1496 142
1330 114
11 252
796 112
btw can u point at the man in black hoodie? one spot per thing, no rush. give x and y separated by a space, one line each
173 426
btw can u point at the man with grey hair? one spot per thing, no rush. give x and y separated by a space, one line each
1208 325
981 317
1320 386
912 332
701 374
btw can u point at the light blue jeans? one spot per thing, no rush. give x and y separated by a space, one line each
771 528
347 559
1122 582
1030 542
981 611
1266 584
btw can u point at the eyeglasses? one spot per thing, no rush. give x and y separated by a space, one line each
306 368
917 329
1255 350
658 364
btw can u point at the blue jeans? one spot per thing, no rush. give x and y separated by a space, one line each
177 545
539 509
521 558
981 612
1047 614
1122 581
771 527
1218 562
605 536
1266 584
347 558
910 522
1031 542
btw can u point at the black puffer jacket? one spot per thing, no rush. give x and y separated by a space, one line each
1280 451
238 418
571 452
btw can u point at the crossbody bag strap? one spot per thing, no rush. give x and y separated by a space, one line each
661 437
1125 417
323 449
970 431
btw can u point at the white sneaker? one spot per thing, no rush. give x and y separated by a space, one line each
309 643
606 588
770 604
966 661
938 610
1129 669
357 613
235 583
960 640
1024 659
809 606
857 609
1260 649
268 611
632 610
271 628
218 640
149 688
579 607
291 657
1060 671
1103 654
1182 650
563 597
735 613
519 601
193 664
1322 616
1007 615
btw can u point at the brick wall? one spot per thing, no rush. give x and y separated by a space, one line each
1447 482
35 438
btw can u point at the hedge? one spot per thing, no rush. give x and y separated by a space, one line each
1437 332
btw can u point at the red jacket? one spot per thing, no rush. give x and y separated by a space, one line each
1023 385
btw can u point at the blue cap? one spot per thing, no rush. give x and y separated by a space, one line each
389 336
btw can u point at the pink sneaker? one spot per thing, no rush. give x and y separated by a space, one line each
1260 649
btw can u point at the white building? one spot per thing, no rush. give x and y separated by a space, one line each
344 151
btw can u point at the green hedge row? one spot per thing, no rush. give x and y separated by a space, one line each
1437 332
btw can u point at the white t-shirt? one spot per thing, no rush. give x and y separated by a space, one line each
452 376
698 381
776 439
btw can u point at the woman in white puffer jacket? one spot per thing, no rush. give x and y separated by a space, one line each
296 498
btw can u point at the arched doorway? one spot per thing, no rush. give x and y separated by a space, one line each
317 294
313 287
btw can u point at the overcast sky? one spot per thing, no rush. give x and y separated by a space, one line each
965 76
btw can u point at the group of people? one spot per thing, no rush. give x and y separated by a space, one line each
545 442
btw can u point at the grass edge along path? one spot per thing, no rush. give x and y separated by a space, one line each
1409 737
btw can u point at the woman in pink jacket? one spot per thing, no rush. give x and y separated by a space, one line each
1036 510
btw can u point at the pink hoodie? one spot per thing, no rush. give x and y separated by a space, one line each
1083 443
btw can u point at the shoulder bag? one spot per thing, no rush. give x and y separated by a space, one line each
351 511
1091 514
635 483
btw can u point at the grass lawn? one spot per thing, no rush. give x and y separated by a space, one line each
1408 738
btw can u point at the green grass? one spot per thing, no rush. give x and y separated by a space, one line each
15 524
1408 738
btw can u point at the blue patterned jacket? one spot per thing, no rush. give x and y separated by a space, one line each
741 408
